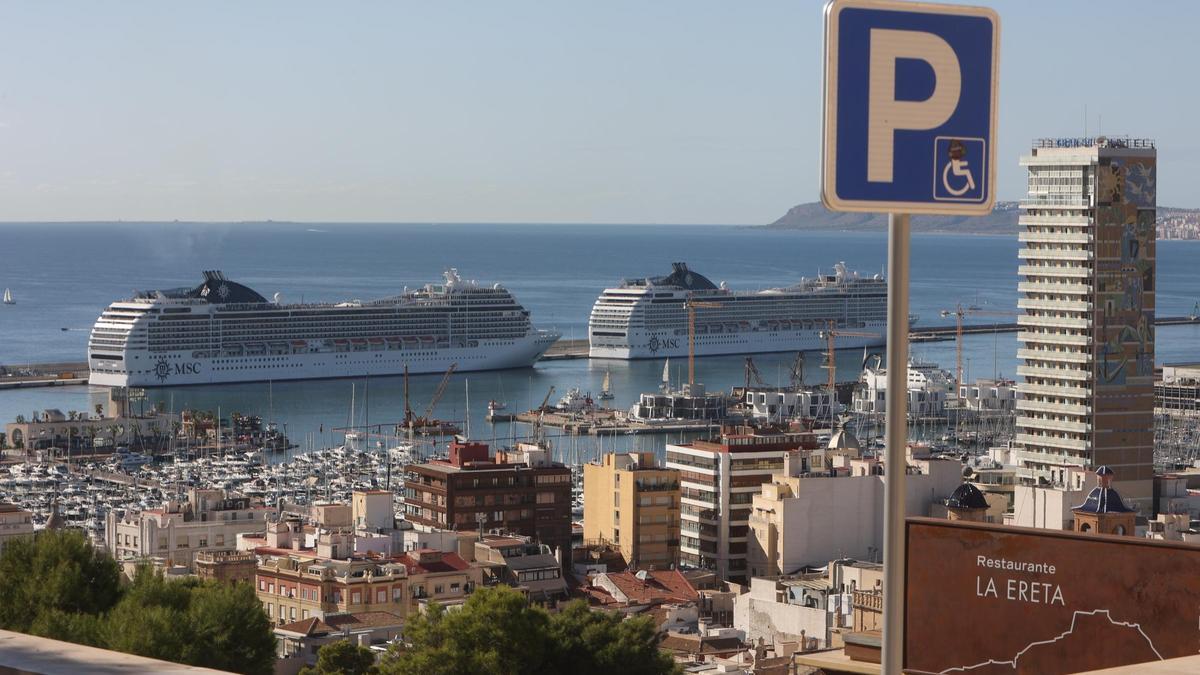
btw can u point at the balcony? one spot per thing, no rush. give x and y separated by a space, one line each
1027 389
643 486
1063 289
1078 445
868 600
1056 219
1055 305
1056 237
1038 202
1054 408
1055 373
1055 356
1042 321
1053 254
1024 422
693 513
1054 338
1054 271
1054 321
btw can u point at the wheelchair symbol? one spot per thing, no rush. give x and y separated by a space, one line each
957 166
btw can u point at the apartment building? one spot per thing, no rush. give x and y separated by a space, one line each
173 534
803 517
14 522
719 477
520 491
295 582
633 503
1087 324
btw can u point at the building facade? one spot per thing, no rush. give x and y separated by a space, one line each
226 566
1087 301
718 480
518 491
14 522
173 534
632 503
807 518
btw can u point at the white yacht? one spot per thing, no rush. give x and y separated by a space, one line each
648 318
222 331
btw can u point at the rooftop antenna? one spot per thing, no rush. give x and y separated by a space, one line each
467 423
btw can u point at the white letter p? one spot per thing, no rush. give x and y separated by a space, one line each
885 114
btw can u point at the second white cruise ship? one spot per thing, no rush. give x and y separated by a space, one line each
648 318
222 331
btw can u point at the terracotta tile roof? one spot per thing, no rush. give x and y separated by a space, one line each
659 586
363 620
694 644
308 627
449 562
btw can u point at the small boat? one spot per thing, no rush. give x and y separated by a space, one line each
1195 315
606 387
8 298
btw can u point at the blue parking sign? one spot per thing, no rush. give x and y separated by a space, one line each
910 107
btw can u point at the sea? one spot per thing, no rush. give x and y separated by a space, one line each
63 275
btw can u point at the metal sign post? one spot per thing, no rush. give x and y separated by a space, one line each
896 430
909 128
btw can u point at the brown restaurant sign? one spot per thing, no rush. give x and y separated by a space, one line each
986 599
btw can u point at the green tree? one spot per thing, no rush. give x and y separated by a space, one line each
85 629
599 643
151 620
498 633
230 629
188 621
343 658
48 578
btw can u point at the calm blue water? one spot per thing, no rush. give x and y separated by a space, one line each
64 275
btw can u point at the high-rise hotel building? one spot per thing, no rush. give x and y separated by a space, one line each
1087 323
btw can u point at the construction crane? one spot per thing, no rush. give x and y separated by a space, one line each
538 429
692 305
798 371
752 373
958 313
441 389
831 334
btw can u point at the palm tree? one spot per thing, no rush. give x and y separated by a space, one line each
154 433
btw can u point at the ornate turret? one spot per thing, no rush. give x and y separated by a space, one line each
967 503
55 521
1104 511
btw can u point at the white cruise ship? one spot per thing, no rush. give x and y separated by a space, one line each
222 331
648 318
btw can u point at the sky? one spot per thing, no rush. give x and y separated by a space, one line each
671 112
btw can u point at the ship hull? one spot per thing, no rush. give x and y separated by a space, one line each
147 369
665 344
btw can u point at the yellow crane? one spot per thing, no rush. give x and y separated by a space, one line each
958 313
692 305
831 334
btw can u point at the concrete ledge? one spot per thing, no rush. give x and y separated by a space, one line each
1184 665
20 653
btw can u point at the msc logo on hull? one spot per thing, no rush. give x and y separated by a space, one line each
165 369
655 344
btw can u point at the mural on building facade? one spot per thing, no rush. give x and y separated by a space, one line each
1125 194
